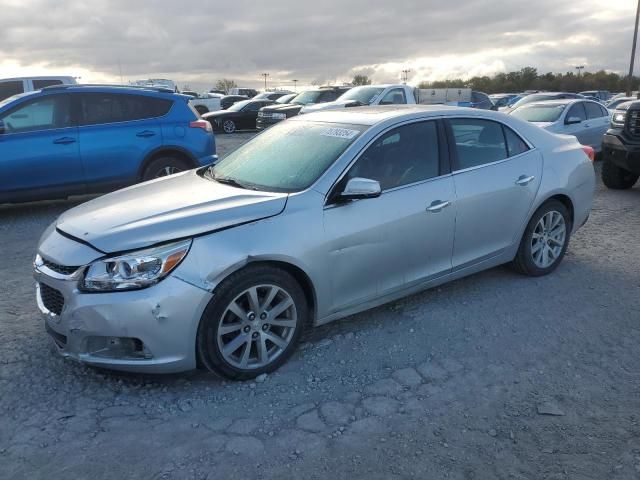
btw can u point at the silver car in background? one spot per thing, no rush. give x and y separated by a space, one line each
584 119
317 218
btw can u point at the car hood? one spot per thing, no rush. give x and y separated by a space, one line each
545 125
317 107
168 208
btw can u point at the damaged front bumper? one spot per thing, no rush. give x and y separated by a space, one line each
149 331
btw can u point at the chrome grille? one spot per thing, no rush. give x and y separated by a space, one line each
633 122
51 298
61 269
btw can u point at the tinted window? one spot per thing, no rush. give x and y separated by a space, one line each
478 142
515 144
99 108
394 97
42 113
8 89
401 156
328 96
594 110
38 84
254 106
577 111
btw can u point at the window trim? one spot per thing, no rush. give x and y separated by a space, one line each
444 167
454 151
72 114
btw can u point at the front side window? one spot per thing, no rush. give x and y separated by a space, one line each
576 113
328 96
478 142
394 97
10 88
594 110
288 157
364 95
43 113
40 84
101 108
404 155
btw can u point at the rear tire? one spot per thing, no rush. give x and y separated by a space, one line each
253 323
545 240
617 178
163 166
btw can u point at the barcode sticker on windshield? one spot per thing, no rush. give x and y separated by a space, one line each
340 133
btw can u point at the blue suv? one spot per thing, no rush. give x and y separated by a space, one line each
74 139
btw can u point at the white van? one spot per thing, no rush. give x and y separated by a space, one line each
14 86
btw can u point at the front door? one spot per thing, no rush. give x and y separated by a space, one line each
496 176
405 236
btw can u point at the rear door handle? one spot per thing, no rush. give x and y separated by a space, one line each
437 206
523 180
64 140
145 133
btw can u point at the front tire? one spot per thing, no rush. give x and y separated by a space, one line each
617 178
164 166
253 324
545 240
229 126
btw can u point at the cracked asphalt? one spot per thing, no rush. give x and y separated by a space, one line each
496 376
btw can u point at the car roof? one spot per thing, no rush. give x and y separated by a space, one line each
164 91
375 114
559 102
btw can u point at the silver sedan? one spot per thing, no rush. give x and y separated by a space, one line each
317 218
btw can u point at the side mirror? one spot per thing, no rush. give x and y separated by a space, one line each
2 128
572 120
358 188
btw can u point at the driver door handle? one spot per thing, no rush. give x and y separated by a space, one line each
437 206
523 180
64 141
145 133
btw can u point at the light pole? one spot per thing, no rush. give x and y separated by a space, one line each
265 75
405 74
633 53
295 85
579 68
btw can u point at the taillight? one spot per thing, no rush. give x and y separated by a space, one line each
590 152
203 124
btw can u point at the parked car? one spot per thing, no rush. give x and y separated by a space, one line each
387 94
621 147
15 86
228 100
539 97
206 102
247 92
221 92
239 116
613 104
502 99
599 95
586 120
157 82
273 114
457 97
67 140
271 95
320 217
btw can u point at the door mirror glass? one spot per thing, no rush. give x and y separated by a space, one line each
572 120
359 187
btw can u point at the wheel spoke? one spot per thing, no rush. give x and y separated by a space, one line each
273 291
227 328
234 344
283 323
275 339
545 256
254 304
263 354
245 355
556 241
536 247
237 310
279 308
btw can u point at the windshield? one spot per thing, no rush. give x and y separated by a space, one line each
236 107
364 95
539 113
305 98
288 157
286 98
534 98
262 95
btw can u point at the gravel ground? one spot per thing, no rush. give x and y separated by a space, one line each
496 376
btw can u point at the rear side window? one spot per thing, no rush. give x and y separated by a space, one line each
577 112
8 89
515 144
100 108
594 110
38 84
478 142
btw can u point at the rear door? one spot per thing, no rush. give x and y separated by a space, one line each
496 176
576 124
39 148
117 132
598 121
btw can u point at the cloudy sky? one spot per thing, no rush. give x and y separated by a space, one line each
196 43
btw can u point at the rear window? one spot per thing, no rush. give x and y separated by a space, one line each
9 89
100 108
39 84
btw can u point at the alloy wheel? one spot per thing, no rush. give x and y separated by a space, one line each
163 172
548 239
229 126
257 326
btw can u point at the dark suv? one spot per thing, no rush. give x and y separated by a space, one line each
270 115
621 147
76 139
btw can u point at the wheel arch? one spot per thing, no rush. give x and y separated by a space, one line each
170 150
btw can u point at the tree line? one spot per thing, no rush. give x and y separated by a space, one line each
528 78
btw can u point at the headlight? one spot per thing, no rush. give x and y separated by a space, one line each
279 116
134 270
618 118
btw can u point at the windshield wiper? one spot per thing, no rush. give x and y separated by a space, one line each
232 181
